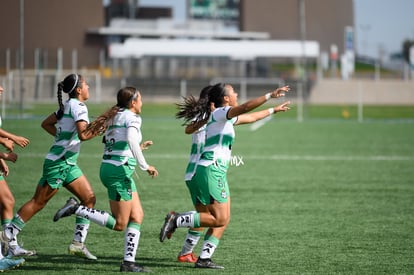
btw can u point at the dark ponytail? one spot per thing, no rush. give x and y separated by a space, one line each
123 98
192 108
216 94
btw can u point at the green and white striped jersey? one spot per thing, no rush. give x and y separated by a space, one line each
219 139
117 151
197 144
67 143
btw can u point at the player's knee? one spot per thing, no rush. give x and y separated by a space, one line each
222 221
120 226
89 201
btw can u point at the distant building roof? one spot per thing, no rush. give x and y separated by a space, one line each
168 28
234 49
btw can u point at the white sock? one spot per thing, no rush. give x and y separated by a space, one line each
13 241
81 231
96 216
186 219
132 235
11 231
190 242
207 250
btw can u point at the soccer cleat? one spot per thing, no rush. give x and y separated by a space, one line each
207 263
68 209
17 250
9 263
132 267
80 250
187 258
169 226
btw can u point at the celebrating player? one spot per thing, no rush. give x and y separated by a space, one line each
208 187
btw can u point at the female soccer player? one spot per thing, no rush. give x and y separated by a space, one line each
122 153
7 199
60 167
198 133
208 187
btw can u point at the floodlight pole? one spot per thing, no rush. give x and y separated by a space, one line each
302 29
21 56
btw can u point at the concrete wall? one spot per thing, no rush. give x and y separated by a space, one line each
49 25
380 92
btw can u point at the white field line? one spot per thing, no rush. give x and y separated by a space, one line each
22 156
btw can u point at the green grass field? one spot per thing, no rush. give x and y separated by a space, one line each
325 196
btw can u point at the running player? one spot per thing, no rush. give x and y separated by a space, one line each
60 167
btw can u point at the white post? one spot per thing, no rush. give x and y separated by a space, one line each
21 56
183 88
74 60
98 87
3 102
243 90
8 72
59 64
300 102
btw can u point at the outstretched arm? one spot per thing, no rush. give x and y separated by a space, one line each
256 102
7 143
255 116
21 141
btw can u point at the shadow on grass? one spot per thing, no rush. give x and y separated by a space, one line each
63 263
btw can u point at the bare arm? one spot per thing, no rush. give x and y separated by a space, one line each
82 134
255 116
49 124
4 167
193 127
8 156
7 143
19 140
256 102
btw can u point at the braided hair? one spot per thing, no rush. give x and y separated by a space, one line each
124 98
68 86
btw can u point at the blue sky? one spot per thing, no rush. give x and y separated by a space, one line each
380 25
383 23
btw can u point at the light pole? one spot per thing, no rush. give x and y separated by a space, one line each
303 74
21 55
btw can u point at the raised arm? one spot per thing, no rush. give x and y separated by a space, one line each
256 102
255 116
